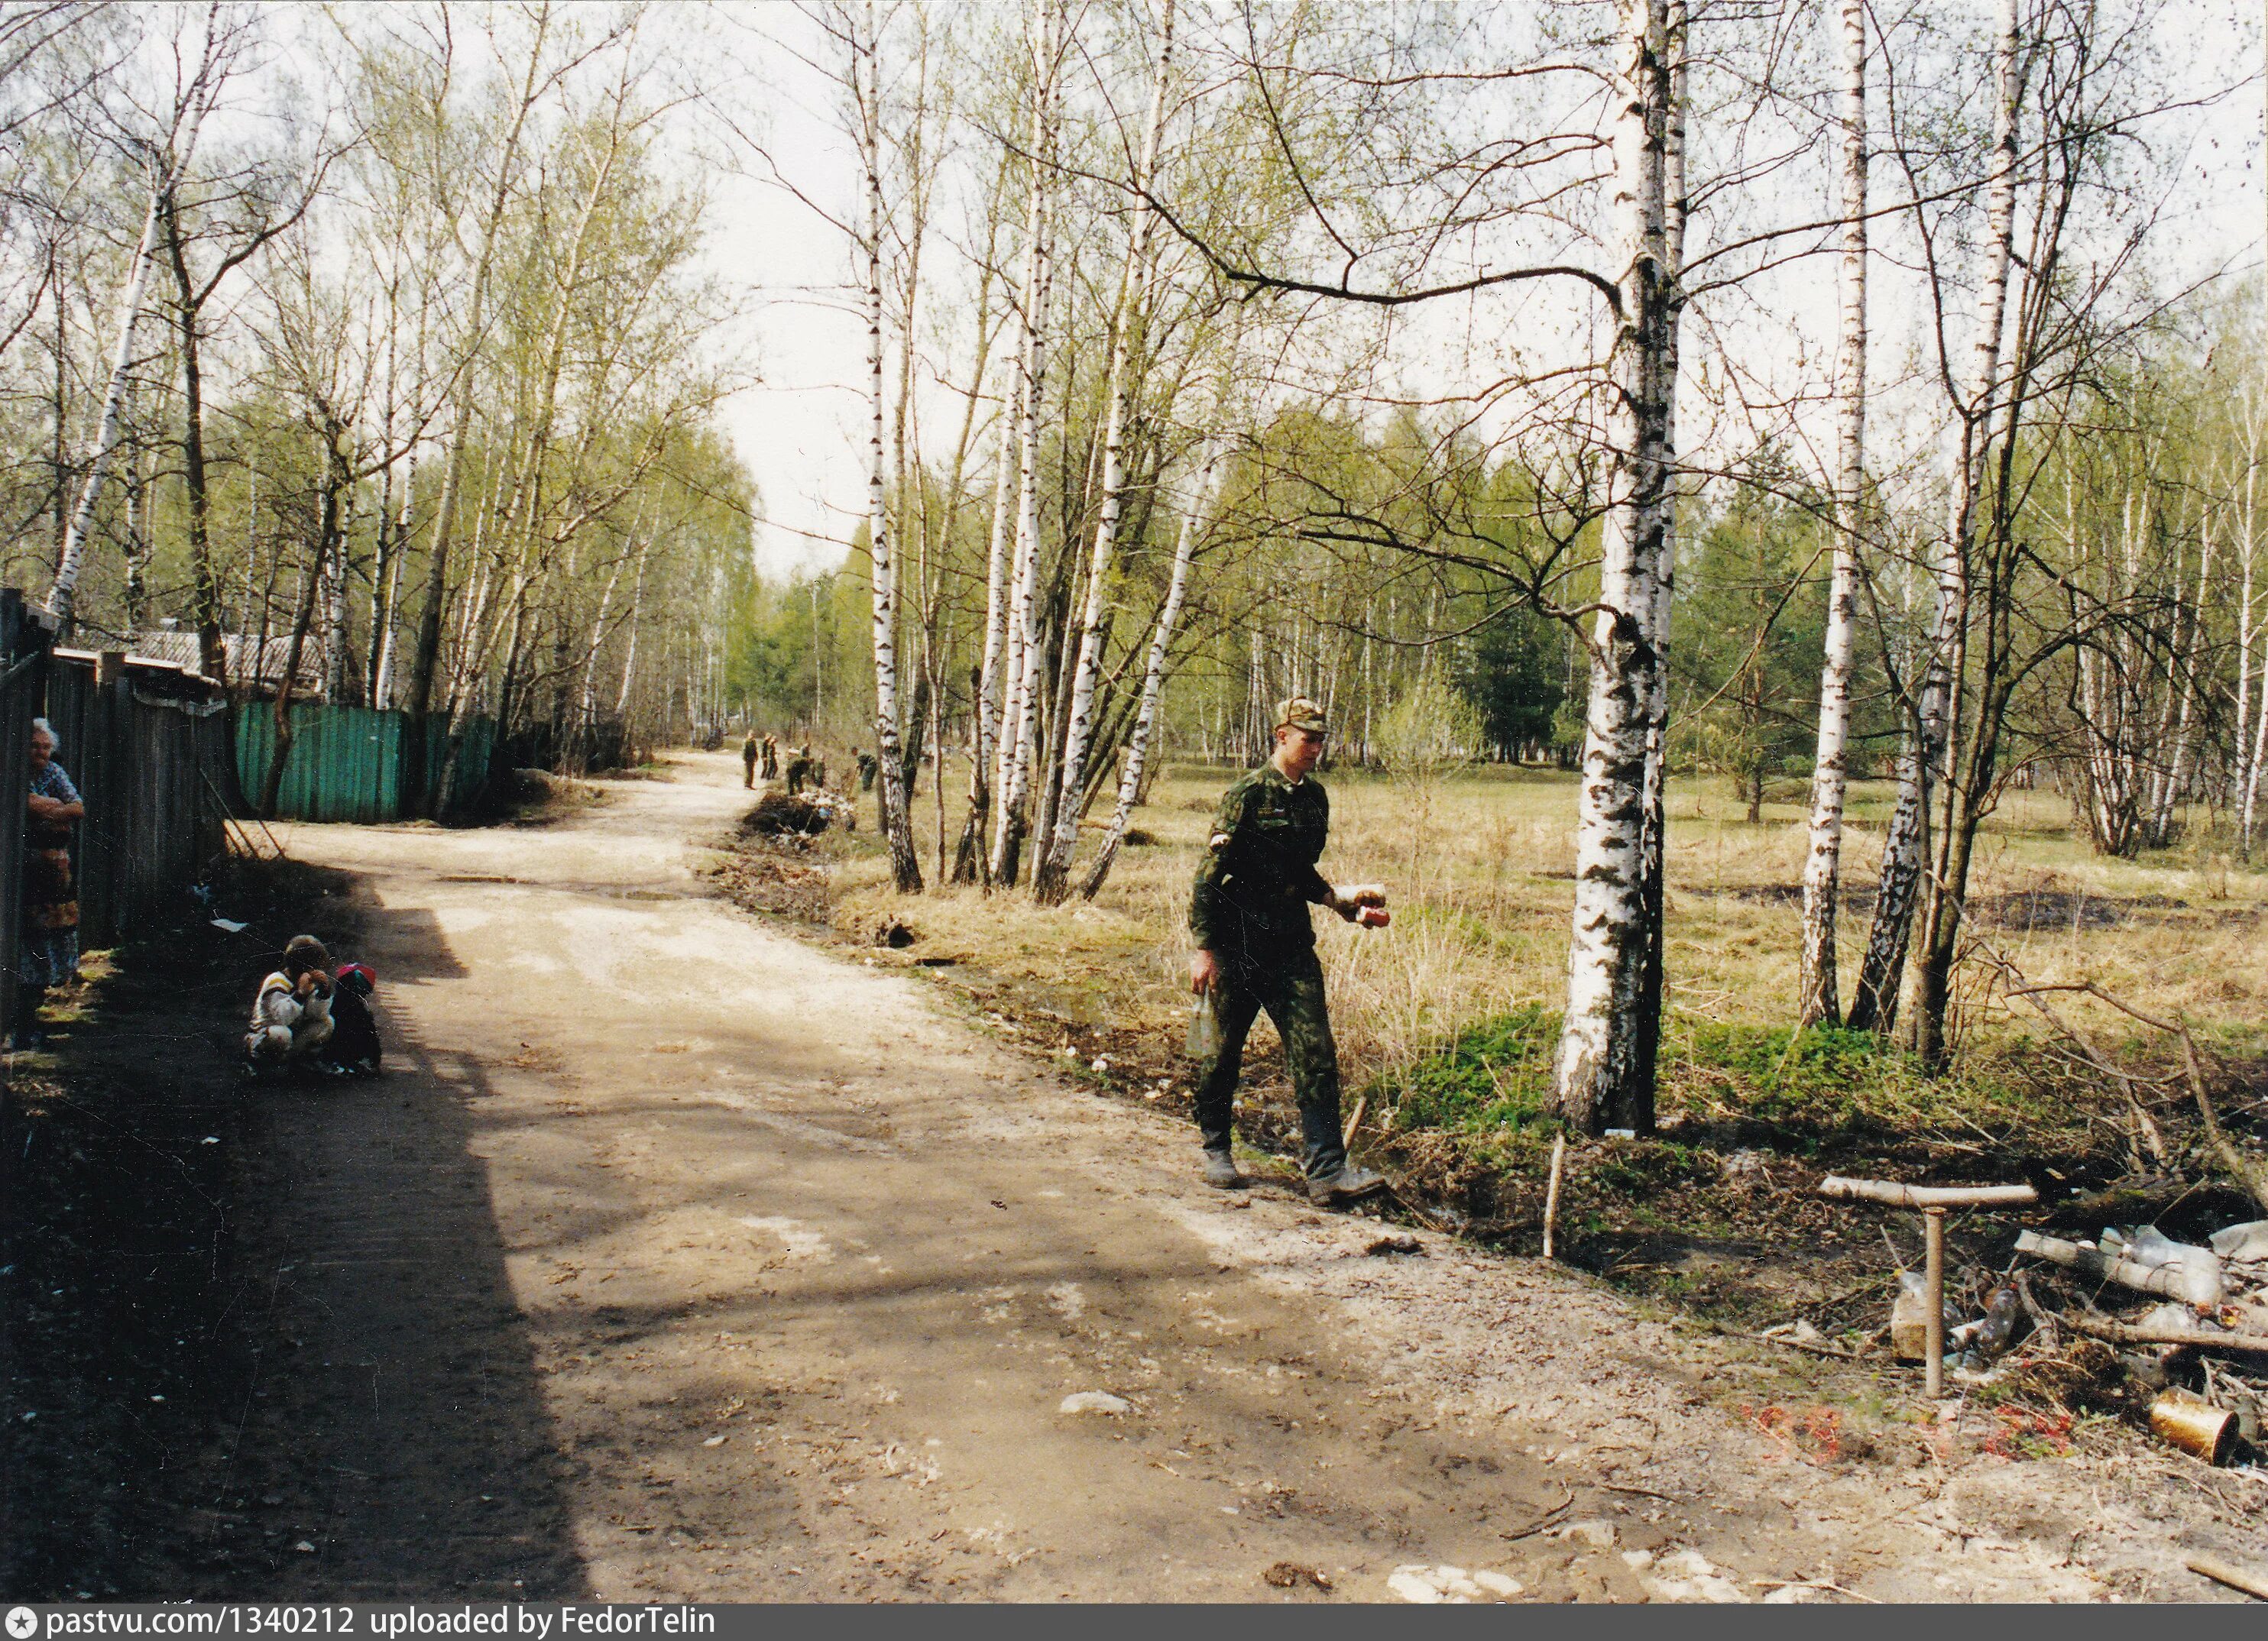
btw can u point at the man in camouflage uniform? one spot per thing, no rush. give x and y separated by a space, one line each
1257 950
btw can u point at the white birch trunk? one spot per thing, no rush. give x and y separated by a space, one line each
1154 676
1051 867
1904 850
1597 1068
1019 714
896 822
188 119
1819 997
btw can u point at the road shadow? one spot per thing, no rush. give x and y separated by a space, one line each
274 1340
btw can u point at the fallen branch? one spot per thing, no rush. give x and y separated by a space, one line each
2247 1173
2098 1327
1924 1195
1804 1344
2253 1584
2171 1280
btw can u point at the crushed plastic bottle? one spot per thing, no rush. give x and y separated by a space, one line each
1205 1035
2002 1317
1910 1318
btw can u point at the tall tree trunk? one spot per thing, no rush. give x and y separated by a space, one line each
1818 995
1653 828
426 662
1051 871
1909 845
1940 907
1020 715
897 820
204 585
1153 675
971 861
166 171
1599 1080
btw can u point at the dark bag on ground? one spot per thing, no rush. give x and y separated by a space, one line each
353 1045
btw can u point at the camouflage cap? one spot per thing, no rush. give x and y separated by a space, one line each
1299 713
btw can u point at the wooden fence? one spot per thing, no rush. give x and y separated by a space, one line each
23 680
147 745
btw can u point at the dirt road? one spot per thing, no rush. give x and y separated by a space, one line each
679 1260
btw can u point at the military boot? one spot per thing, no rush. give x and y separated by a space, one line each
1221 1170
1347 1184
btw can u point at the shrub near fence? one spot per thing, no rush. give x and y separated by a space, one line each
345 762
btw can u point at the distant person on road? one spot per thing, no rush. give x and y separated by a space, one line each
1255 949
292 1014
867 764
799 770
50 931
771 759
749 753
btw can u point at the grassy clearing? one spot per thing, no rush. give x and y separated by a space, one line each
1448 1020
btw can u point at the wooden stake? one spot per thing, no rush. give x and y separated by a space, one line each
1354 1124
1932 1223
1551 1191
2235 1577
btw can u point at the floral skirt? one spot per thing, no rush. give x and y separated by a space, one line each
50 945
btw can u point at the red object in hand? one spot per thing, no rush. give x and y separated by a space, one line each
1373 916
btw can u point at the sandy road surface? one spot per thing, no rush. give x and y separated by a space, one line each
678 1260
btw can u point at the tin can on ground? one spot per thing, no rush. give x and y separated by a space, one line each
2193 1424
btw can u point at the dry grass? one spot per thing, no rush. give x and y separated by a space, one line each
1481 870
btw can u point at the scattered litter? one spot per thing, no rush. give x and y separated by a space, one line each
2246 1244
1432 1586
714 1441
209 1139
304 1548
229 925
1285 1574
1101 1063
1910 1318
2193 1424
1591 1530
1687 1575
1094 1402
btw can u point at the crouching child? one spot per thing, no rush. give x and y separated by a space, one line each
291 1015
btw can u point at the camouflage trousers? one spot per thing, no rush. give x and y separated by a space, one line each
1291 987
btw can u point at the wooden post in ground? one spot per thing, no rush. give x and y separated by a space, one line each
1551 1191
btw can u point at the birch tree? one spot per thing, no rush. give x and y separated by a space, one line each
1051 873
1818 995
1600 1077
897 821
167 156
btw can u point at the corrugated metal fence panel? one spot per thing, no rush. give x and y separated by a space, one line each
345 762
478 741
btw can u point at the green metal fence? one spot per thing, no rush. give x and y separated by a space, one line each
345 762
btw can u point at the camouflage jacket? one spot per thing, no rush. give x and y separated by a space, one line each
1258 875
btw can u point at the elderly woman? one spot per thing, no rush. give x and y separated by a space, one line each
50 952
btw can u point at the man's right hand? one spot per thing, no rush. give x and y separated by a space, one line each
1205 972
